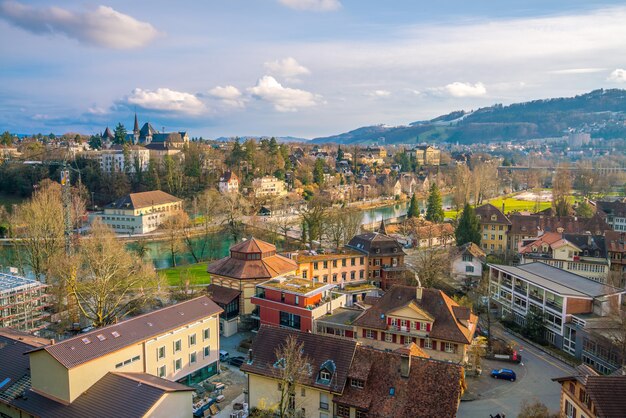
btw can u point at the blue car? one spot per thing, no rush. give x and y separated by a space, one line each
506 374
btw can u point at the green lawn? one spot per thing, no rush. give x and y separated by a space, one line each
196 273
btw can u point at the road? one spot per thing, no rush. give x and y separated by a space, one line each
533 382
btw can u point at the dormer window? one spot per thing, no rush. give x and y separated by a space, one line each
494 218
326 372
280 363
324 375
356 383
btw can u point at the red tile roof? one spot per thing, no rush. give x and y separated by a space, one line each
432 389
317 348
447 325
253 245
102 341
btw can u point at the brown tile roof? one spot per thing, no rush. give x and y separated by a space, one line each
269 265
612 208
486 211
91 345
117 395
615 241
253 245
531 225
432 388
372 242
436 303
14 364
317 348
143 200
222 295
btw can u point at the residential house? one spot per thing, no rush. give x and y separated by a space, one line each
584 393
343 267
563 298
528 226
426 155
227 299
426 317
494 226
228 183
376 151
251 262
348 380
140 213
467 262
614 213
385 257
126 369
23 303
122 158
430 234
580 254
294 302
268 186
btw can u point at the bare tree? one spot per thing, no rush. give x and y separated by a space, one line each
432 266
292 367
234 208
535 409
105 280
175 230
462 186
561 188
313 218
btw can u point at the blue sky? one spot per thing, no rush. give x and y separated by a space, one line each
294 67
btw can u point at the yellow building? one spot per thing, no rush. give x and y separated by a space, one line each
494 227
585 393
346 266
179 343
268 186
139 213
427 155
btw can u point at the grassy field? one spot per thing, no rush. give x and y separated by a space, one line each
511 204
196 273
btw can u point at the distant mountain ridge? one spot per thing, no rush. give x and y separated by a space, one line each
600 112
278 138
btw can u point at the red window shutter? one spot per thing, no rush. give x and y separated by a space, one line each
418 324
443 346
382 336
393 337
388 320
428 327
414 340
363 333
434 345
422 342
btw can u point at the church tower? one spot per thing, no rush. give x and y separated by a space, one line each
136 131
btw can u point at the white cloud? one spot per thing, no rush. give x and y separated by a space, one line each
164 99
618 76
284 99
287 68
577 71
103 27
228 95
458 89
96 110
314 5
379 93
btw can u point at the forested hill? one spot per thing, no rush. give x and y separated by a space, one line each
600 112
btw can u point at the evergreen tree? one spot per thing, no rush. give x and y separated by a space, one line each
318 172
468 229
340 154
95 142
434 211
414 210
120 134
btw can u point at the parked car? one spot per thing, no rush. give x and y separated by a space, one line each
236 361
483 332
506 374
224 355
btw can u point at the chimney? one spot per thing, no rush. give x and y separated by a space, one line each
503 206
405 365
250 356
418 293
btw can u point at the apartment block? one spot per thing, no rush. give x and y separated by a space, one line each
343 267
494 226
22 303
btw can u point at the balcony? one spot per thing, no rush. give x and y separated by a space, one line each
256 313
536 297
554 305
506 283
520 290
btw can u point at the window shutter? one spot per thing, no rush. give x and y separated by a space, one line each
375 334
434 345
442 346
428 327
418 325
422 342
364 333
388 321
393 337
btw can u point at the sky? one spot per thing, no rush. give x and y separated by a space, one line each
303 68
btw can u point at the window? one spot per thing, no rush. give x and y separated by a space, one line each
205 334
324 375
468 257
315 265
570 411
161 371
304 274
325 263
325 278
353 261
361 414
289 320
352 275
343 411
177 345
356 383
343 262
192 340
192 358
334 277
206 351
362 260
361 274
369 334
469 269
178 364
428 343
324 401
160 352
449 348
334 263
302 392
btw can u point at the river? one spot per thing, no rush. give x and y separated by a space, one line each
219 242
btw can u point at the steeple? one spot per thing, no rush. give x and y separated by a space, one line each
136 131
382 229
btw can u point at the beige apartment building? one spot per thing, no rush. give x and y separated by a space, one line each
267 186
340 268
427 155
164 349
140 213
